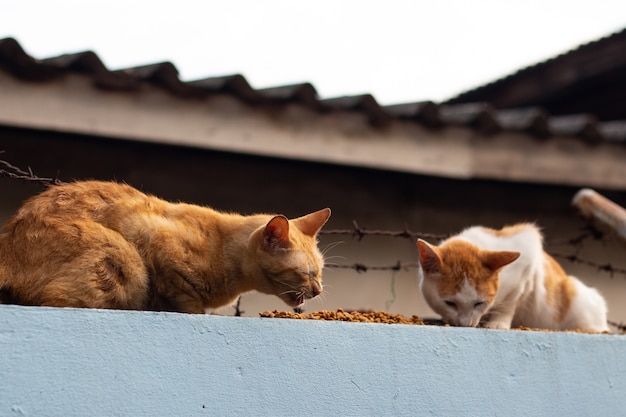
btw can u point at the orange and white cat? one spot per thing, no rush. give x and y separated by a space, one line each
504 278
107 245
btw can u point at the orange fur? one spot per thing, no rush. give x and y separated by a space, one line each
459 263
107 245
503 278
560 289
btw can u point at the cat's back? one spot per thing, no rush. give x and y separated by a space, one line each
522 237
60 249
76 200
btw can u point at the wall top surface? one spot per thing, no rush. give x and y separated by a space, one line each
72 362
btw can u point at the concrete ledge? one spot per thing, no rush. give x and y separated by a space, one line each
67 362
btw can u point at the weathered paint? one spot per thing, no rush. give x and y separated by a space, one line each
222 122
66 362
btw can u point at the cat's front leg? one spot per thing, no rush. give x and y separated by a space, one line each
500 319
501 323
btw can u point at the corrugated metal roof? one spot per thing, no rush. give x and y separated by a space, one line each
480 116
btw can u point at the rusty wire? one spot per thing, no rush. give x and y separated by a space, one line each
11 171
620 326
405 266
577 242
358 233
359 267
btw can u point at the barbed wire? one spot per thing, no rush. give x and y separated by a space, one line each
359 267
404 265
577 242
13 172
620 326
357 232
604 267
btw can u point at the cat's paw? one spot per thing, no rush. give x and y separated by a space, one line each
497 324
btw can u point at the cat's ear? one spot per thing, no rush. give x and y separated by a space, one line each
429 258
495 260
276 233
312 222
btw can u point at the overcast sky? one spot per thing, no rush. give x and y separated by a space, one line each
398 51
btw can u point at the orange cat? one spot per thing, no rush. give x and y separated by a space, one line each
503 278
107 245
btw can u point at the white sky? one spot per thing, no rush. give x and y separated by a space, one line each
398 51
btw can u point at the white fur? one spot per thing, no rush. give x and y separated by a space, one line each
521 297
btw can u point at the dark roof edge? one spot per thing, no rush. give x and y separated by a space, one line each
467 95
165 75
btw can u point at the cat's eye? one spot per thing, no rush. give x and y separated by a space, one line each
310 275
479 304
451 304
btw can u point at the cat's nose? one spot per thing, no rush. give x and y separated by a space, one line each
316 289
465 322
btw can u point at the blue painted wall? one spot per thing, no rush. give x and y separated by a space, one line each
65 362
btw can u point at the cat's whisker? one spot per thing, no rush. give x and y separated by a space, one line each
320 298
343 258
286 284
333 267
330 247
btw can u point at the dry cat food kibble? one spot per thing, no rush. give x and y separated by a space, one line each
342 315
381 317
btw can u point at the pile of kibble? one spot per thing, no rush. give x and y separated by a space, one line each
375 317
343 315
